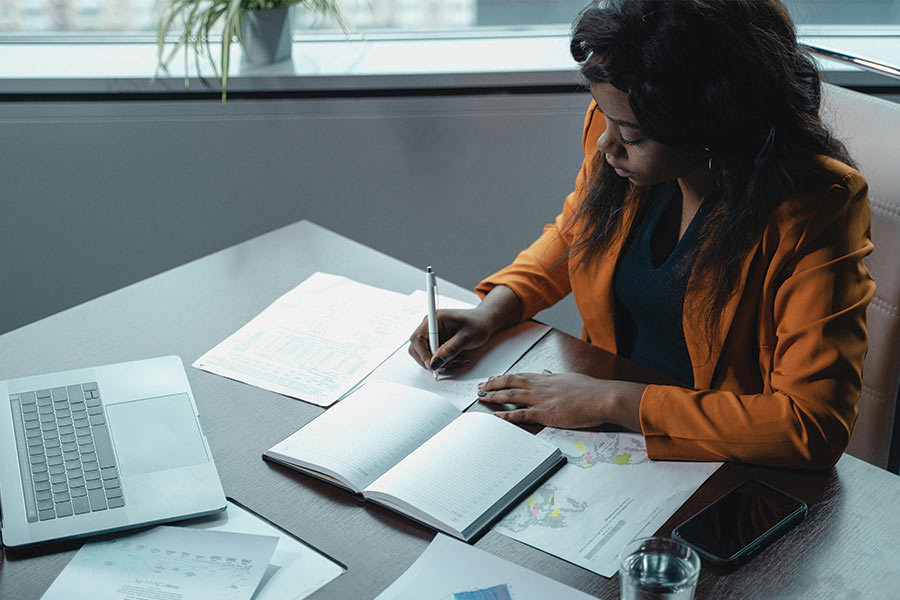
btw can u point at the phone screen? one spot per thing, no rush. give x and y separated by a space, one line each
738 519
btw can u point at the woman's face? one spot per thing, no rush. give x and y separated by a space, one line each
628 149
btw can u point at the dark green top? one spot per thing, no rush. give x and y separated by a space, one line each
649 295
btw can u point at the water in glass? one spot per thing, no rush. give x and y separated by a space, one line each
655 576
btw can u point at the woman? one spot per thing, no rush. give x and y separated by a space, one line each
715 234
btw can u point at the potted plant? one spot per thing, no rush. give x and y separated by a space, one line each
262 26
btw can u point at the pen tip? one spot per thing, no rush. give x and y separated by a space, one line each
428 269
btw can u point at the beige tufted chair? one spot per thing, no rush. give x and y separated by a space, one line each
870 128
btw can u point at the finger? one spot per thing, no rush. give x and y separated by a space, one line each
455 364
547 372
516 380
519 415
418 345
516 396
449 350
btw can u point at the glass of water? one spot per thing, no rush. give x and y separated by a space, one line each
657 568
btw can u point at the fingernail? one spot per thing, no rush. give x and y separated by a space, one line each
490 379
482 394
436 364
481 385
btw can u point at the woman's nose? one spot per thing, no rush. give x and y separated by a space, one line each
608 144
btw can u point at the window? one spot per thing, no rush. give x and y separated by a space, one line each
138 17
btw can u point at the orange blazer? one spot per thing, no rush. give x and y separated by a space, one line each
781 383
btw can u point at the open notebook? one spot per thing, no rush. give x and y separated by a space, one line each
415 453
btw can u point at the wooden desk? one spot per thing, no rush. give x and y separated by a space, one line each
847 547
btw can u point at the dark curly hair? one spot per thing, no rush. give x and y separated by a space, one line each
713 77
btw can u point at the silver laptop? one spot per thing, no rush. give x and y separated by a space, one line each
97 450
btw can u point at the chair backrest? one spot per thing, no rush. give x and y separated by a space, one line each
870 128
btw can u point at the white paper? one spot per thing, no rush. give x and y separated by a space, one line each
368 432
166 563
453 570
460 386
608 493
318 340
295 570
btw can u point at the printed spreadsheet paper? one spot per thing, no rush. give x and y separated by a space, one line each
317 341
453 570
608 493
295 570
166 563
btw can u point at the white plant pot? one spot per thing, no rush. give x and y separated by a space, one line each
266 35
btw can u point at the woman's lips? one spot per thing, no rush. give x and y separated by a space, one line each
620 172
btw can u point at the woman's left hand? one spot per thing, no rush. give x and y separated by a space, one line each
564 400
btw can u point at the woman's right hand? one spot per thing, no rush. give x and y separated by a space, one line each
459 330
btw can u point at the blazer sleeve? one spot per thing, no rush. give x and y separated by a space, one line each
539 275
818 344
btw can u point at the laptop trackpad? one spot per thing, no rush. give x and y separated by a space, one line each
155 434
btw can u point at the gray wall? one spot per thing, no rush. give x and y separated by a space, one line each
99 195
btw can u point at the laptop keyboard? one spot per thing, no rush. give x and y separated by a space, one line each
65 454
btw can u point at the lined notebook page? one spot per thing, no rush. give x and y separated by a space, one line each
365 434
458 474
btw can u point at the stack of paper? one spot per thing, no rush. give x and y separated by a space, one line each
233 555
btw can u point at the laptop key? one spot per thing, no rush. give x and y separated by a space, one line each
81 505
97 499
109 473
40 486
45 495
115 492
92 475
94 484
97 419
58 393
39 477
111 484
116 502
78 491
105 455
46 515
46 504
64 509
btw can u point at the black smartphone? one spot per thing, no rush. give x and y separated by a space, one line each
740 522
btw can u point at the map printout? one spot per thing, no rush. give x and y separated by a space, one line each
608 493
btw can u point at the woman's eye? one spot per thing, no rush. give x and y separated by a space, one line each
632 142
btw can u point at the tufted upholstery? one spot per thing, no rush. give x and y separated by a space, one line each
870 127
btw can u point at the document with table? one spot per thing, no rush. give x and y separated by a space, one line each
415 453
233 555
318 340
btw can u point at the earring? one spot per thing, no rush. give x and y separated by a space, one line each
709 164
